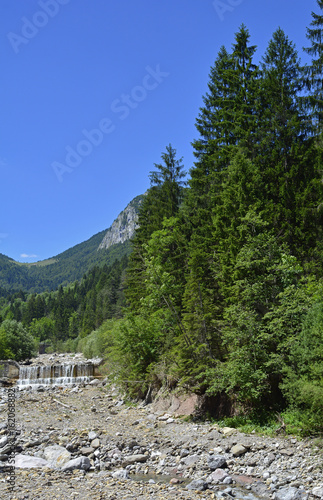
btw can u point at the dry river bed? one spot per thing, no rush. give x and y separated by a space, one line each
84 442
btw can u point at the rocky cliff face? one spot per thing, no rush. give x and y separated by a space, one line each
124 226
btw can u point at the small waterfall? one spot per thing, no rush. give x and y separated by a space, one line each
58 374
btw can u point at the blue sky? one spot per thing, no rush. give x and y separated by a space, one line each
92 92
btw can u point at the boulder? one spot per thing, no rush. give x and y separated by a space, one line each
95 443
190 460
3 441
132 459
121 474
82 463
238 450
290 493
28 462
318 491
94 382
216 461
217 476
56 455
87 450
228 431
197 485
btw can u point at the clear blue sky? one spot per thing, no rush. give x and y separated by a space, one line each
135 71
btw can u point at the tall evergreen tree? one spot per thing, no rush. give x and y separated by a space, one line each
226 123
313 73
162 200
281 120
285 156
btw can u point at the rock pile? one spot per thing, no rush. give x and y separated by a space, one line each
86 441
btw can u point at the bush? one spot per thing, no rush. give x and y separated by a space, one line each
15 341
303 383
94 344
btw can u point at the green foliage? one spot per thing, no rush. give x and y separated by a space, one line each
162 200
65 268
15 341
312 74
303 384
132 345
71 311
5 350
94 344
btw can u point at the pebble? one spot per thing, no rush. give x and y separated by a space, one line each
104 452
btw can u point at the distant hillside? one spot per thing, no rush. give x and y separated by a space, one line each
102 248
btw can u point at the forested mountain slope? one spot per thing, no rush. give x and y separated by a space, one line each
72 264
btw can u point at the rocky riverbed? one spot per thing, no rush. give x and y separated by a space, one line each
85 442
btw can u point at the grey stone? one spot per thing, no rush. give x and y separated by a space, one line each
92 435
3 441
95 381
56 455
229 431
197 485
95 443
132 459
121 474
290 493
6 449
269 459
82 463
238 450
318 491
87 450
217 476
28 462
190 460
216 461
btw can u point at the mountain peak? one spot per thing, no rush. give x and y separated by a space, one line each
124 226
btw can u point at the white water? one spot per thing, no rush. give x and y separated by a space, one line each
65 374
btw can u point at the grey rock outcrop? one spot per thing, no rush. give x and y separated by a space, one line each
124 226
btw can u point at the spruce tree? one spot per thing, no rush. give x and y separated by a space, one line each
285 155
313 73
162 200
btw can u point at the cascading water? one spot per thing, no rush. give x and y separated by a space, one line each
62 374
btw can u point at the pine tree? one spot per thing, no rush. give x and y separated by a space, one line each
162 200
285 156
245 118
313 73
226 124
